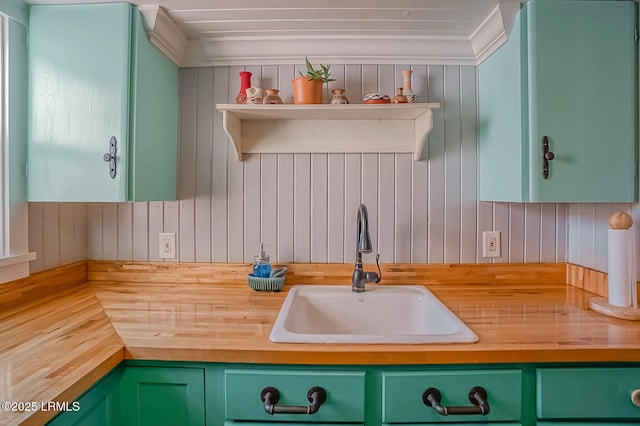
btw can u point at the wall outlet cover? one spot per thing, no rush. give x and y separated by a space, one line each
167 245
491 246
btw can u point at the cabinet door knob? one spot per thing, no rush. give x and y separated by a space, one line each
546 157
635 397
110 157
477 396
270 397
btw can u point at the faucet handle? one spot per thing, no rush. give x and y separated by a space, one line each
379 270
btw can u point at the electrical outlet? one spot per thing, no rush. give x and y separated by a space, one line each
491 246
167 245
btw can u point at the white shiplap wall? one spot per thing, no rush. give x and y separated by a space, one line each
303 206
587 231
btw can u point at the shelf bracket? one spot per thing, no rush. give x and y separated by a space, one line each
422 128
233 128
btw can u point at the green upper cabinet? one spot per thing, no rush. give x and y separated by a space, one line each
94 78
567 73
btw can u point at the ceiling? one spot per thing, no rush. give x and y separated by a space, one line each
235 32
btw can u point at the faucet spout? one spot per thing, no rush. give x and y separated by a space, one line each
363 245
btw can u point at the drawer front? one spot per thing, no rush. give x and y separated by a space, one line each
402 395
587 393
344 403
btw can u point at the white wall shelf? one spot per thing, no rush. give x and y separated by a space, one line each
325 128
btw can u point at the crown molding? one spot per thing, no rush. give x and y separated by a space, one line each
341 49
163 33
494 31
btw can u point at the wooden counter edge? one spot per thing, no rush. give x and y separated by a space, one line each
359 356
72 392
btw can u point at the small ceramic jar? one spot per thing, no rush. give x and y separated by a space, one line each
399 98
272 97
338 97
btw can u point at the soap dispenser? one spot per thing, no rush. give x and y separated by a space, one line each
261 264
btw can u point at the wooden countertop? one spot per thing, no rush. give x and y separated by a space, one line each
57 345
231 323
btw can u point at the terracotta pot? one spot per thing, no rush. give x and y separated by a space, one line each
306 91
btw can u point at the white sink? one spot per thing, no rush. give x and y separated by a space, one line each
382 314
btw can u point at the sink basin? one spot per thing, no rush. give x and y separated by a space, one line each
382 314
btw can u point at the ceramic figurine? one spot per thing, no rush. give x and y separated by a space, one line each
272 97
408 93
399 98
338 97
254 95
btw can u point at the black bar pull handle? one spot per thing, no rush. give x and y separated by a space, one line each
546 157
477 396
270 396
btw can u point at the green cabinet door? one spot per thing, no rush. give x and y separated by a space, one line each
162 396
94 78
98 406
568 73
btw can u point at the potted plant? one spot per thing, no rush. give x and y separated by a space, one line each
307 89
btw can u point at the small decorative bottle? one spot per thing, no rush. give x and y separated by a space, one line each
272 97
261 264
411 97
338 97
245 83
399 98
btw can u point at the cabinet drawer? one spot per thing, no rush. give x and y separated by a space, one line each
402 395
344 403
587 393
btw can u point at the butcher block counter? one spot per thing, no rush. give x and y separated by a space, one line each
62 330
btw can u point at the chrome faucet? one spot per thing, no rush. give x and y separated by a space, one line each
363 245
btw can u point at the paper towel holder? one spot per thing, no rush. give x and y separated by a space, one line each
617 221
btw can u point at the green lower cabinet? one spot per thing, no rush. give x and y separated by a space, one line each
158 396
99 406
211 394
344 390
591 394
402 396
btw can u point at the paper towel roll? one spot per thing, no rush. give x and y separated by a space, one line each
622 268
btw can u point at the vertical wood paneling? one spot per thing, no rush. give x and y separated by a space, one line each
268 200
371 197
386 231
468 165
502 222
402 207
352 192
303 206
453 172
222 77
285 208
516 231
319 208
140 231
204 152
436 159
125 225
110 231
156 225
36 243
336 205
235 187
67 237
51 236
189 96
252 202
532 233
